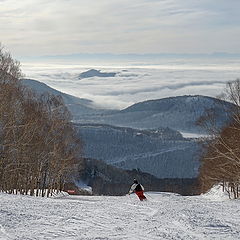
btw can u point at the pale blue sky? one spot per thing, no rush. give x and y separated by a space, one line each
44 27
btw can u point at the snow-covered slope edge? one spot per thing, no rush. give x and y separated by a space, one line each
216 193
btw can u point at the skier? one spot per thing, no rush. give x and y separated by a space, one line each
138 189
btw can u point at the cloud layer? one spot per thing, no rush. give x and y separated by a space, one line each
139 83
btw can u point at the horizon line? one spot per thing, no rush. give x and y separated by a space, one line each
218 54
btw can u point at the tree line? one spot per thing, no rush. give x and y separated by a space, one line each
39 150
221 161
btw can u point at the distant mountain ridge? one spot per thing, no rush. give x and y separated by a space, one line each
99 57
144 136
96 73
179 113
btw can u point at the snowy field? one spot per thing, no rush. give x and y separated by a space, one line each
163 216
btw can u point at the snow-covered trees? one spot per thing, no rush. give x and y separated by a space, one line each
221 163
38 146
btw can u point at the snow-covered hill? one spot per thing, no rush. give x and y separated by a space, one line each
163 153
180 113
164 216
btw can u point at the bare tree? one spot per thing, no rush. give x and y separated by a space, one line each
38 145
221 162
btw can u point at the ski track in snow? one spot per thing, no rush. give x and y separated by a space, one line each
163 216
151 154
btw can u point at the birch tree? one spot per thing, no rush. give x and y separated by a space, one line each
39 150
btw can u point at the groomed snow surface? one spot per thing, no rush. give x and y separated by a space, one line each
163 216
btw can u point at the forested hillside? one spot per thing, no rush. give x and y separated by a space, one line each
161 152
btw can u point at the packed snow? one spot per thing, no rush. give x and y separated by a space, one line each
193 135
162 216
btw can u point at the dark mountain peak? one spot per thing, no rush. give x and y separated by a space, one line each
96 73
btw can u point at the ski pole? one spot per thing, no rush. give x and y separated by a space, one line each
149 195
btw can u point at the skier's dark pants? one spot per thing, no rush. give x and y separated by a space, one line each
140 195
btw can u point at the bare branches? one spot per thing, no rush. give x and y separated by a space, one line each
9 68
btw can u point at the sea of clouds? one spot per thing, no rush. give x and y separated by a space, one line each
135 82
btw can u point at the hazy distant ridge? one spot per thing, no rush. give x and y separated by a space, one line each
129 57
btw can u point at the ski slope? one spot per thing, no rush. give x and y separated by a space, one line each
163 216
